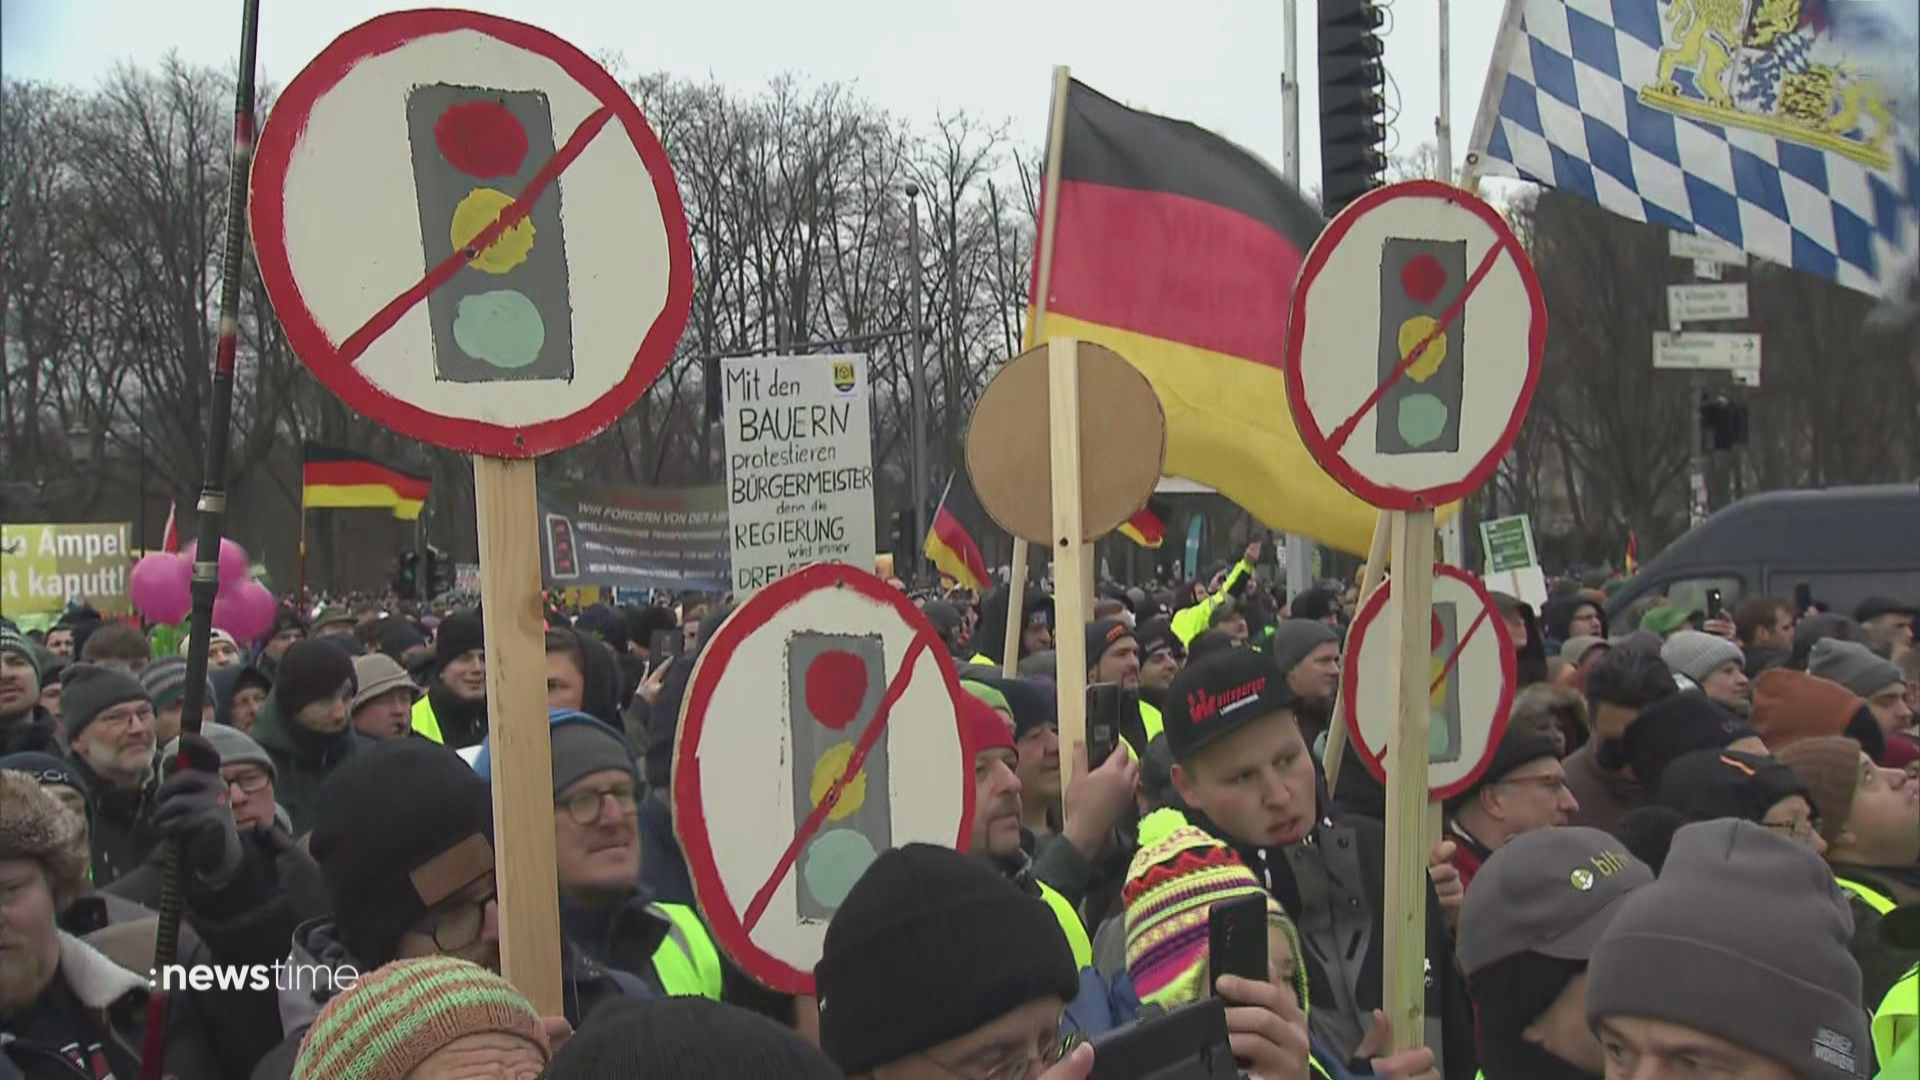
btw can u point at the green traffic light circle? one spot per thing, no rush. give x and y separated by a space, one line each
1421 419
501 327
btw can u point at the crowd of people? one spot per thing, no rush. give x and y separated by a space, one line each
1696 852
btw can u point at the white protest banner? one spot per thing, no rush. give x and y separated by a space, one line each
799 465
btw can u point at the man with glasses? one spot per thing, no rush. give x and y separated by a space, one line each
603 910
110 737
1523 789
404 839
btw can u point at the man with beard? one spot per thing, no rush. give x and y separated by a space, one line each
1526 934
454 709
1161 657
110 737
24 724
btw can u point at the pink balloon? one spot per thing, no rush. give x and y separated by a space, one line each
234 566
161 587
246 611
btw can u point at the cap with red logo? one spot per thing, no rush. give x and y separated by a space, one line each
1220 694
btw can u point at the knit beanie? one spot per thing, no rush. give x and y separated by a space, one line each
983 728
311 670
1041 665
49 770
1829 766
166 683
1104 634
1519 747
928 946
14 642
376 674
213 635
582 746
1030 705
1744 936
994 698
1853 666
1792 705
34 825
460 633
235 747
1156 635
1698 655
395 1018
1814 629
87 690
1673 726
1172 885
1295 639
687 1038
1704 785
382 814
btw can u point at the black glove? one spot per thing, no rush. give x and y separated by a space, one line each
192 808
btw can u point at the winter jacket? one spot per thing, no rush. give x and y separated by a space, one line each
302 760
1190 622
248 922
990 635
665 945
663 866
34 731
123 834
1873 892
586 984
116 1001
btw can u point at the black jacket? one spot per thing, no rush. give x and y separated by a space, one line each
123 834
248 922
1342 846
35 731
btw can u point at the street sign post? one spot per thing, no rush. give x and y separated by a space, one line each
1508 544
1703 248
1705 303
1738 353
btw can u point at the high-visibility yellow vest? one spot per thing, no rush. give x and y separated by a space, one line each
686 962
1896 1023
1070 925
425 724
1868 896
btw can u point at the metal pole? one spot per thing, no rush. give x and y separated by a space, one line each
918 351
143 470
212 509
1299 549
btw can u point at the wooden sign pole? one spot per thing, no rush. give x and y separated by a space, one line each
519 738
1069 553
1016 596
1410 618
1370 578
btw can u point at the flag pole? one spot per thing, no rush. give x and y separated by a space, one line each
300 593
1049 217
212 510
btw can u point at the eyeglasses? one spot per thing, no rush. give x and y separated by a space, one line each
459 927
583 807
1801 829
1021 1068
250 783
118 723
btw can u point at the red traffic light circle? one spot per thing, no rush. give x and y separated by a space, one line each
1413 345
481 138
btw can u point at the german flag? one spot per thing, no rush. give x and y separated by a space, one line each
1148 528
950 543
1179 250
336 479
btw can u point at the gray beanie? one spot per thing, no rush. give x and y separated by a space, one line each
1698 655
166 683
87 690
1853 666
1744 936
1295 639
582 747
235 747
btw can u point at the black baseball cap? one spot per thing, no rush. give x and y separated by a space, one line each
1216 696
1551 891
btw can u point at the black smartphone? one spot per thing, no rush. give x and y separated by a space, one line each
1237 939
1189 1043
1103 722
1714 608
1802 600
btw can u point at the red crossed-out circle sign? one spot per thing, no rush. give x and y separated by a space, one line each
1414 345
1470 682
470 233
820 728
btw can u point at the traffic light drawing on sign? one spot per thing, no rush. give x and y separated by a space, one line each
834 686
563 561
1443 701
1420 410
507 314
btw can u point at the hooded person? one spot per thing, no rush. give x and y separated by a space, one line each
1529 641
1569 616
1694 960
1676 725
603 909
238 692
1527 933
688 1039
67 1009
24 723
404 840
990 633
454 708
306 725
583 675
663 871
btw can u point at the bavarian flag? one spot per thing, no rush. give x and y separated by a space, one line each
950 540
336 479
1178 250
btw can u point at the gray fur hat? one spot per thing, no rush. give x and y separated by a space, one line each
35 825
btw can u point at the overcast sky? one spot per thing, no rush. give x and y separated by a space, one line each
1215 62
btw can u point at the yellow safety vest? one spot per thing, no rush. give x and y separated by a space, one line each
1896 1025
425 724
1874 900
686 962
1070 925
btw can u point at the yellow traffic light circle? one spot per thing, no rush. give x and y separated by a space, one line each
831 766
480 209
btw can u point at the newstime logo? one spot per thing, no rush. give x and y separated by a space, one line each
279 976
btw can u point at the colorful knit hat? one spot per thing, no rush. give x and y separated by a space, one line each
395 1018
1176 877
